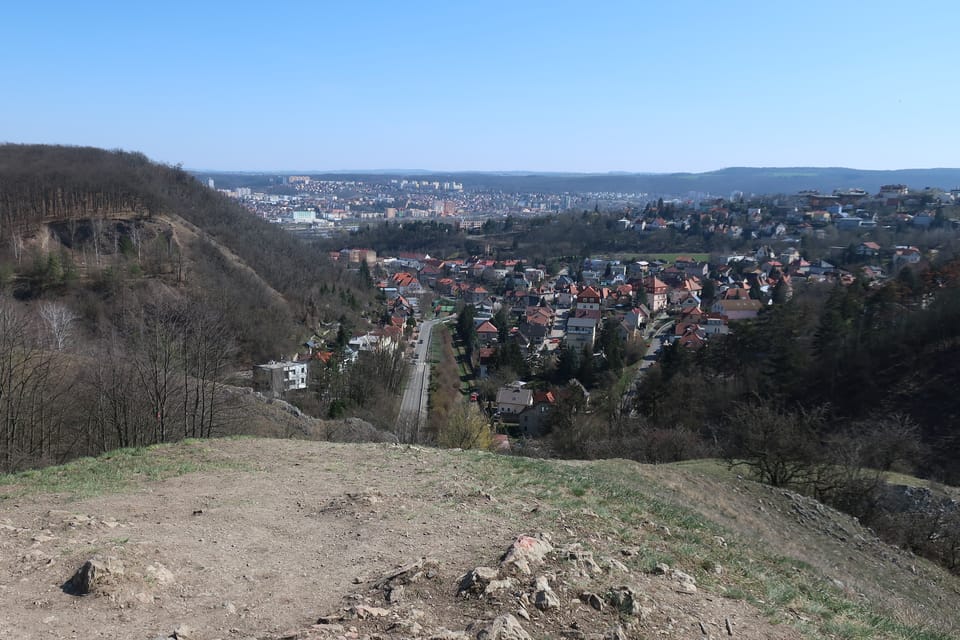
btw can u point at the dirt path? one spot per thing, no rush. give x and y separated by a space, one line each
250 552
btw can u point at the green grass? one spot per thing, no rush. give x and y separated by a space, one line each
617 500
113 472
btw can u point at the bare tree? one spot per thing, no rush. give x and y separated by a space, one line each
31 388
136 236
59 321
207 346
159 350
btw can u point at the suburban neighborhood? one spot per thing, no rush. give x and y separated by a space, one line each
540 333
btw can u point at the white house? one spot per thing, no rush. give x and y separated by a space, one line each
277 378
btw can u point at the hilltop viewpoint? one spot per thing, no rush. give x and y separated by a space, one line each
270 539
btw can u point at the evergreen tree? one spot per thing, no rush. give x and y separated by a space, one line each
365 278
587 374
568 364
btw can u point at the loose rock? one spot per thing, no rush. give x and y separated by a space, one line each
526 551
504 627
627 601
477 580
94 573
592 599
543 597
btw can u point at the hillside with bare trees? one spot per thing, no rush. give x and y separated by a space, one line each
129 292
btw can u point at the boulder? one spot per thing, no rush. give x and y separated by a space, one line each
93 575
525 552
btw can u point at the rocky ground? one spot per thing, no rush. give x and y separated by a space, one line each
275 539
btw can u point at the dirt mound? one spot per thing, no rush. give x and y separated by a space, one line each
278 539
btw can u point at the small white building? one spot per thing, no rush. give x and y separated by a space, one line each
277 378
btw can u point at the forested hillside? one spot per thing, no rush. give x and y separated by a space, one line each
128 291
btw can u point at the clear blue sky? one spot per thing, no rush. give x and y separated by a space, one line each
685 85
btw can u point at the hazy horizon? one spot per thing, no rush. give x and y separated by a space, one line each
619 86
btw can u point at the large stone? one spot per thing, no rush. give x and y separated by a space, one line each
477 580
159 574
504 627
544 598
93 575
395 594
499 585
627 601
526 551
583 559
685 582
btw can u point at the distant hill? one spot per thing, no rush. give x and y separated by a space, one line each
130 293
762 180
81 220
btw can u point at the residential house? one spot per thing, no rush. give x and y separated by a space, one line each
637 317
904 255
534 275
714 324
430 274
475 295
691 267
581 332
355 256
537 323
737 309
588 304
693 337
486 358
517 336
690 301
821 267
871 273
512 400
445 286
892 193
407 284
656 294
276 378
487 332
533 419
400 307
